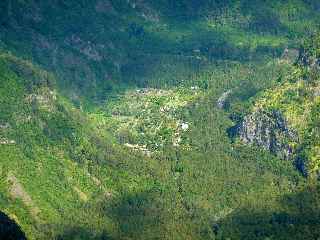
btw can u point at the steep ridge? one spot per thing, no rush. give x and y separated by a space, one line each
51 156
284 118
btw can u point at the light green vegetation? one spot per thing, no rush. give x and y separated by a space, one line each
297 97
92 149
150 118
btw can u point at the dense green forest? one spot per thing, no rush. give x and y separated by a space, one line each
136 119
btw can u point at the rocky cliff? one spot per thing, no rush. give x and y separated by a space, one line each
284 119
268 130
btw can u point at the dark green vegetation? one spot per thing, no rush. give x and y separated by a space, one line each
109 127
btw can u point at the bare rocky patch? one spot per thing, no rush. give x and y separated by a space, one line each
17 191
7 142
82 196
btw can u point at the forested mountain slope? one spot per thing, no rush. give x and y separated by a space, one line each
94 46
293 105
131 119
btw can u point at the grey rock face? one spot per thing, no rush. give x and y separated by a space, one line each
90 50
291 55
223 99
269 131
4 126
316 92
308 60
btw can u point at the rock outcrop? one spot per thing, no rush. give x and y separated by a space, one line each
223 102
308 60
268 130
290 55
309 54
7 142
91 50
17 191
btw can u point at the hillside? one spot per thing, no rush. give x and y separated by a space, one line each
94 47
146 119
295 99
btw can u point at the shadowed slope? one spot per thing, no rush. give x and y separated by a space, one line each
9 229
